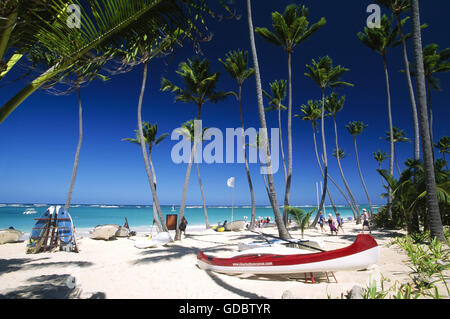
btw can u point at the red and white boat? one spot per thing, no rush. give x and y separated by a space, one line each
363 253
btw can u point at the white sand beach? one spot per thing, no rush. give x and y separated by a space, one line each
116 269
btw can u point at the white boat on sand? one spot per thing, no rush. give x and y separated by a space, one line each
9 236
105 232
235 225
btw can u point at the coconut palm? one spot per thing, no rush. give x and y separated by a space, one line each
399 137
188 129
436 228
290 29
200 88
103 24
334 104
380 157
149 131
379 40
444 147
312 112
398 7
356 128
282 230
236 64
301 217
278 88
434 62
325 75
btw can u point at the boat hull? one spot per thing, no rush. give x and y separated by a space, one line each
363 253
235 225
9 236
105 232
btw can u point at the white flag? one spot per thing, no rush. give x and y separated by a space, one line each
230 182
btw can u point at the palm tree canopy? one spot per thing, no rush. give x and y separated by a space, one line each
356 128
200 84
339 153
443 145
188 130
334 104
397 6
435 62
104 25
278 88
324 74
290 28
380 39
236 64
150 131
380 156
312 112
399 136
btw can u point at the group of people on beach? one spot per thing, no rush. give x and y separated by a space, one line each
335 226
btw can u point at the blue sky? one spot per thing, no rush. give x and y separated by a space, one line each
39 139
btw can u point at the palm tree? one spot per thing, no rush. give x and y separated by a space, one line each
149 131
103 23
290 29
379 40
444 147
236 63
434 62
282 230
399 137
380 157
356 128
200 88
188 129
334 104
398 7
278 88
312 112
325 75
301 217
436 228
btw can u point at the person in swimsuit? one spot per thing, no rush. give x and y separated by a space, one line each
365 221
331 224
340 222
321 222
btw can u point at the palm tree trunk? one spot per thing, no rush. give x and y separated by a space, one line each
282 230
436 228
77 153
247 169
412 97
185 187
347 187
325 160
396 162
391 134
159 219
362 178
289 127
144 150
208 226
321 171
281 143
430 110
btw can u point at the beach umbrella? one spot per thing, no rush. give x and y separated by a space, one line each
230 183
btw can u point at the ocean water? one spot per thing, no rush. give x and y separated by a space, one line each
22 216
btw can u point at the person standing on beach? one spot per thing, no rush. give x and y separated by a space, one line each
183 225
365 221
321 221
331 224
340 222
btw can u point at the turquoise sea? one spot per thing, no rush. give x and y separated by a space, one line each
21 216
